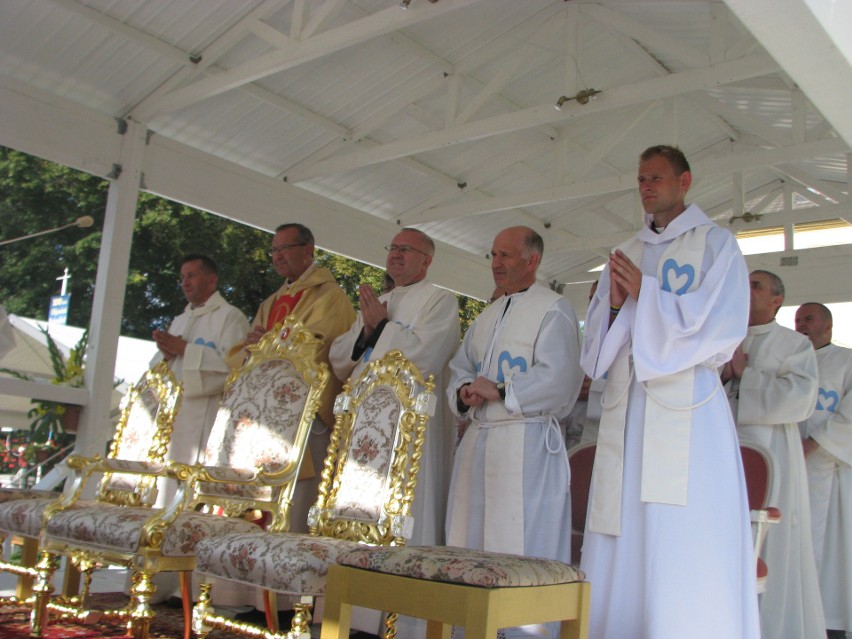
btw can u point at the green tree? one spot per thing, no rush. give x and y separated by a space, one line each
36 194
164 232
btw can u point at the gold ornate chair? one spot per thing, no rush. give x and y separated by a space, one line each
365 496
142 436
252 462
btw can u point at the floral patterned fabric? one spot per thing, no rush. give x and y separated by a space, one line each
289 563
139 435
363 482
129 465
141 427
231 474
106 527
256 424
23 516
13 494
461 566
191 528
100 526
125 482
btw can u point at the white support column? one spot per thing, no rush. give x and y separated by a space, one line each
105 323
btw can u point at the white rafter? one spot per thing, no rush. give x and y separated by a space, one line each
711 166
646 35
318 46
615 98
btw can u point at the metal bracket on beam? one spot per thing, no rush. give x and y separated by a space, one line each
116 171
122 126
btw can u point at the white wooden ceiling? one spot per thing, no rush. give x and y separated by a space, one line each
355 116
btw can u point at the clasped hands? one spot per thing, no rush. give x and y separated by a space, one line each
735 367
373 311
170 346
625 279
478 392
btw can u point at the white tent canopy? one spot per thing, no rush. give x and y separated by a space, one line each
30 356
356 116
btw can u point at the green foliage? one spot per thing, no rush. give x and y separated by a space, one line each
469 309
165 232
351 273
36 194
67 371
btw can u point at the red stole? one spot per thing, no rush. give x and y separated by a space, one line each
281 308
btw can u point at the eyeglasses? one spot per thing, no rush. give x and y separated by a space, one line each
403 248
280 249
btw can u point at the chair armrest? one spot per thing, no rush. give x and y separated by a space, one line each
191 475
769 515
760 518
82 468
226 475
196 484
133 467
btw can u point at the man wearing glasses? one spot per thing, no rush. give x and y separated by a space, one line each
309 293
421 320
312 295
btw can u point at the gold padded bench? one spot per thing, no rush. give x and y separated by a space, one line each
479 591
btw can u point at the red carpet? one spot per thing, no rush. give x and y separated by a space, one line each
168 624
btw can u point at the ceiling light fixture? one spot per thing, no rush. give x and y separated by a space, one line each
583 96
404 3
748 217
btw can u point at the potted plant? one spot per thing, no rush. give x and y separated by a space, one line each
52 419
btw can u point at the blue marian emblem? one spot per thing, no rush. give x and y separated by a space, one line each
674 271
200 340
506 363
827 400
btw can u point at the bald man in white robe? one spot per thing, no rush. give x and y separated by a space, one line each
827 442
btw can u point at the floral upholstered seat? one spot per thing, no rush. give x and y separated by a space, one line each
13 494
462 566
141 439
251 462
365 497
478 590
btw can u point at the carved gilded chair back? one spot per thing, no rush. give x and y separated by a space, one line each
370 472
263 422
147 414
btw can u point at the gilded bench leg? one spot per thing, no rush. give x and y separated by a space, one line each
201 608
141 613
29 556
42 589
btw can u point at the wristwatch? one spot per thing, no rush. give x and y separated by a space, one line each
501 388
